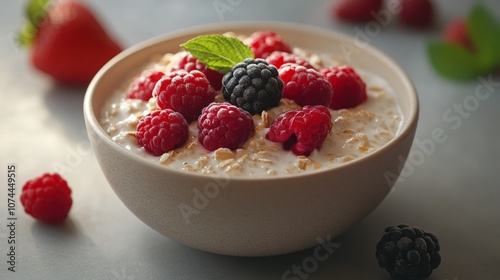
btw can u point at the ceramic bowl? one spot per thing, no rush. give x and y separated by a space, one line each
251 216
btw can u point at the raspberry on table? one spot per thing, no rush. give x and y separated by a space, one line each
349 90
263 43
184 92
417 13
47 198
252 85
301 131
356 10
456 32
189 63
278 58
408 252
305 86
142 86
162 131
222 125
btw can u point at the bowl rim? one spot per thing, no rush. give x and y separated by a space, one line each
404 131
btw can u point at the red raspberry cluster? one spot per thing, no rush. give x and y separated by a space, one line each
339 87
186 94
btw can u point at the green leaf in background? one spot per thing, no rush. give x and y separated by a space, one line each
218 52
454 61
484 32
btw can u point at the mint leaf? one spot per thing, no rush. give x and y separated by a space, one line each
218 52
454 61
484 32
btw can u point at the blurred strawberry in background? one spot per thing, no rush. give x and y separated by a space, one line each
417 13
66 40
356 10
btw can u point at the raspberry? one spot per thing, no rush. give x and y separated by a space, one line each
47 198
161 131
252 85
305 86
456 32
356 10
142 86
222 125
417 13
189 63
301 130
263 43
348 88
278 58
186 93
408 252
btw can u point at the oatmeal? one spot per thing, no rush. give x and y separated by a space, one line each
355 132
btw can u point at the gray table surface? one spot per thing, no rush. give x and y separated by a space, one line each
453 190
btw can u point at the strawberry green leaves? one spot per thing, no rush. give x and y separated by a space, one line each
35 13
458 63
218 52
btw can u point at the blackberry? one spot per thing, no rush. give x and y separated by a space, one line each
252 85
408 252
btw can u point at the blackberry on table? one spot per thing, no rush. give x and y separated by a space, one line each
252 85
408 252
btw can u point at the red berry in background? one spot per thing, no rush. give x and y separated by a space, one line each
162 131
456 32
305 86
301 131
356 10
222 125
417 13
142 86
278 58
349 90
263 43
68 43
183 92
189 63
47 198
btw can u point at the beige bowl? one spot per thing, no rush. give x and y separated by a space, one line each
250 216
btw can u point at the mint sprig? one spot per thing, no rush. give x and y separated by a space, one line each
456 62
218 52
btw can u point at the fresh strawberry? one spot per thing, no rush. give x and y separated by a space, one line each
67 41
456 32
356 10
